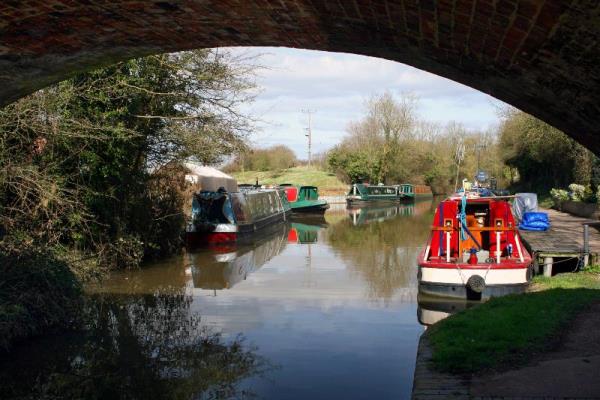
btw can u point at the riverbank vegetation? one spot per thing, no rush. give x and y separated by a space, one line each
327 182
274 158
90 170
391 144
509 330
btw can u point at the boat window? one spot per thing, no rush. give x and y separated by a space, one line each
310 194
381 190
240 208
211 207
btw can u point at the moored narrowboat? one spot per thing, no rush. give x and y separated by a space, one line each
362 194
304 199
474 251
221 216
415 192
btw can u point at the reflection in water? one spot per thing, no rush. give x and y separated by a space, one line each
331 302
369 243
148 347
434 309
229 265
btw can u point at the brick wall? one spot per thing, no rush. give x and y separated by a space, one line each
540 56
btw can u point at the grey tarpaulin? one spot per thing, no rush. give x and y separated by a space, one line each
524 202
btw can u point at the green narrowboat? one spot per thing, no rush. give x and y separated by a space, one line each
304 199
362 194
415 192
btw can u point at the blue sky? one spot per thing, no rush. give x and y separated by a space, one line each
336 85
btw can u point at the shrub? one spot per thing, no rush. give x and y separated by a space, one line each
38 292
581 192
559 195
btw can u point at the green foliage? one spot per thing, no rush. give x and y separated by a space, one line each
327 182
274 158
509 329
505 330
38 292
544 156
559 194
581 192
90 163
391 145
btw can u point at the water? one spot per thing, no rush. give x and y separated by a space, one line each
319 309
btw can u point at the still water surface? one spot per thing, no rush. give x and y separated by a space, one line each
322 308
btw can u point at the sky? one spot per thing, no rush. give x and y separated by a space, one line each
335 86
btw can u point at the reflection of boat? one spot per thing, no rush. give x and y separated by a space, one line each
474 251
221 216
304 199
364 215
303 233
435 309
233 263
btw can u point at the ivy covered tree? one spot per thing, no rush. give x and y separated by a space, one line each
91 163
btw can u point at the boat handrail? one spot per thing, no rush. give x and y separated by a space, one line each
475 229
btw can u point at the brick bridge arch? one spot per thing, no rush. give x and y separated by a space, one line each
542 56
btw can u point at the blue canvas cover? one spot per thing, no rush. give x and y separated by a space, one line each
524 202
535 221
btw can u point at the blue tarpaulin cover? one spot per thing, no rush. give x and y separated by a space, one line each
535 221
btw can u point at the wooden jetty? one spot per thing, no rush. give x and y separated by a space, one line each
566 239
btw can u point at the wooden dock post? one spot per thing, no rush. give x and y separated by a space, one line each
586 244
548 261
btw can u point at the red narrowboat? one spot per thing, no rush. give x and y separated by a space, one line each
474 251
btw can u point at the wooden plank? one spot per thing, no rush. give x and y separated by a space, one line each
564 238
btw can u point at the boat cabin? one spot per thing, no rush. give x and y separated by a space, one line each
360 189
300 193
484 228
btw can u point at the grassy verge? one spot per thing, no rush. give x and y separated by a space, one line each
508 330
327 182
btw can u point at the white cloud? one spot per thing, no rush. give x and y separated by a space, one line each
336 85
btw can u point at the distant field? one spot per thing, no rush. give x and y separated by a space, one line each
327 182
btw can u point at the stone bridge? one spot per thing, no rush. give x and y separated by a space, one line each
542 56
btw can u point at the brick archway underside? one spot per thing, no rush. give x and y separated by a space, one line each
540 56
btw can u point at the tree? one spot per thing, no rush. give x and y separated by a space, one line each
80 161
543 156
273 158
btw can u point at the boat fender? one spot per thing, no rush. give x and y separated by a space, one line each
476 283
473 257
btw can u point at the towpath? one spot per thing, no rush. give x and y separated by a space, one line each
568 372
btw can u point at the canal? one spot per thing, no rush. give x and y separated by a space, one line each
320 308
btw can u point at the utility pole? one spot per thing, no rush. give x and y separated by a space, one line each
459 155
309 134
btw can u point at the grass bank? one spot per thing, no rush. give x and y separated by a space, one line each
327 182
508 330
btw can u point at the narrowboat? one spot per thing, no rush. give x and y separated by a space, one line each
415 192
304 199
222 216
474 251
362 194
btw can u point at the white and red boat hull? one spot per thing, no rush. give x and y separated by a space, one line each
444 267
